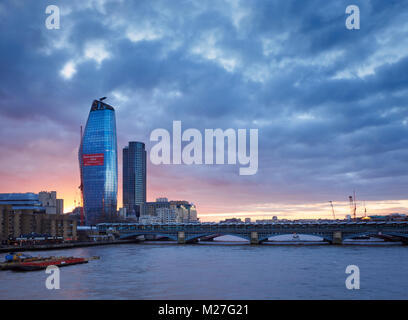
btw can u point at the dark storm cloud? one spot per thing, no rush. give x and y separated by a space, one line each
330 104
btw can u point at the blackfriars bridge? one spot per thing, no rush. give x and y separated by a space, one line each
334 232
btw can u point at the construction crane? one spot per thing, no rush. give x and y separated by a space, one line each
353 207
81 187
331 203
365 210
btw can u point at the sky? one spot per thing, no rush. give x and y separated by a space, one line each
330 104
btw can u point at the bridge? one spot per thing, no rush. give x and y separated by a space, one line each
334 232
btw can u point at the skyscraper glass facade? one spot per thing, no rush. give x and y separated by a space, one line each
134 177
99 165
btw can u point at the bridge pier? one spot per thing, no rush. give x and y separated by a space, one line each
181 237
254 238
337 238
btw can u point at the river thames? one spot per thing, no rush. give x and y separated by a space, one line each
219 271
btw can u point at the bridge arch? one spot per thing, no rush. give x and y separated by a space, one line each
318 237
399 236
324 237
195 237
135 234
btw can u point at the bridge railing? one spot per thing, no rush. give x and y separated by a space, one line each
257 227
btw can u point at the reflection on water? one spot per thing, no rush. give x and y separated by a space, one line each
221 271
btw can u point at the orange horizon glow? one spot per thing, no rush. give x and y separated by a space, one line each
208 213
213 201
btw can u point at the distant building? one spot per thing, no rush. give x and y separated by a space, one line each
181 212
122 213
75 214
169 211
60 206
134 178
166 215
99 165
150 208
265 221
397 217
148 219
389 217
231 220
185 211
247 220
51 203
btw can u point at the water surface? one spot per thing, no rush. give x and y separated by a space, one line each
219 271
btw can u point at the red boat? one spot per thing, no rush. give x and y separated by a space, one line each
39 265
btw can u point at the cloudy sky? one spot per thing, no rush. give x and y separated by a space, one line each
330 103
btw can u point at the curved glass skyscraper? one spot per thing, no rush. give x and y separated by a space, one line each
99 164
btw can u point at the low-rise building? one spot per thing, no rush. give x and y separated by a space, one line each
22 201
185 211
51 203
151 207
122 213
231 220
23 213
148 219
165 211
166 215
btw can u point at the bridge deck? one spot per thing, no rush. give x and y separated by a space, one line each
258 232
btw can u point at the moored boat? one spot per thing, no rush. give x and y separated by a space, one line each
39 265
13 259
17 262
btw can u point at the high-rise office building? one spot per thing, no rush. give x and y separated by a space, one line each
99 164
134 178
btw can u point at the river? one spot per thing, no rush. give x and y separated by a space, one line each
219 271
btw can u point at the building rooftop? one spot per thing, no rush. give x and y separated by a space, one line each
99 105
29 196
22 201
38 208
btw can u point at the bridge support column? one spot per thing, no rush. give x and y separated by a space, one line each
337 237
181 237
254 238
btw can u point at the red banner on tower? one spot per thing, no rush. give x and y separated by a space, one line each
93 159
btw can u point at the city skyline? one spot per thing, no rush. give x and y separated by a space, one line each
330 109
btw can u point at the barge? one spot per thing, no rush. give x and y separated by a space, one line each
17 262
